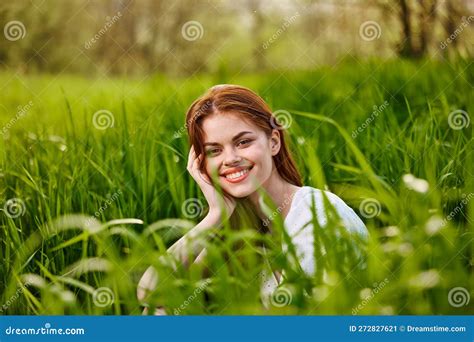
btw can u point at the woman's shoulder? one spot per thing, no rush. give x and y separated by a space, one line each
306 197
309 195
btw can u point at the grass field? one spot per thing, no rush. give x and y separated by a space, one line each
120 177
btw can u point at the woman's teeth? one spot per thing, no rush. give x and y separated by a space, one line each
237 174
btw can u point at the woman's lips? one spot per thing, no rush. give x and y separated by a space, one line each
238 175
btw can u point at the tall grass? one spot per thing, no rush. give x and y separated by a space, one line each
77 185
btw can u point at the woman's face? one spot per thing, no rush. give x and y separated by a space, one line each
240 152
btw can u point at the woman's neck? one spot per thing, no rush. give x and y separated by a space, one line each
280 191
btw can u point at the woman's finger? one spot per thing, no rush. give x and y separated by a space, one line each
191 156
195 165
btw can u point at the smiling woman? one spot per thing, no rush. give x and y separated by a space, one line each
239 147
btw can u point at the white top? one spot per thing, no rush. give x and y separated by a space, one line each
302 237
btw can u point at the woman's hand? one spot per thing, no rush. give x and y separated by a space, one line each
221 206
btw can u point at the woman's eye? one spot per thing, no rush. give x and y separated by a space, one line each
212 152
244 142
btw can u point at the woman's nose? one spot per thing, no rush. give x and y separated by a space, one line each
231 158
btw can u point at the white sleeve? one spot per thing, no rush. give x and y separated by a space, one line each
302 233
348 216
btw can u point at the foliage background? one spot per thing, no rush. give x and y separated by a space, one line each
92 104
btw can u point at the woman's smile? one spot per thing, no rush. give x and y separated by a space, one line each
238 151
236 174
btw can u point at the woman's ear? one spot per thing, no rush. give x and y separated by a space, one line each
275 142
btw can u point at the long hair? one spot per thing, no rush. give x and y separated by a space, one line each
251 107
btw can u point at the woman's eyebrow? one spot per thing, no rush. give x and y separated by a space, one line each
236 137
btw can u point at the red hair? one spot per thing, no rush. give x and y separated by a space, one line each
251 107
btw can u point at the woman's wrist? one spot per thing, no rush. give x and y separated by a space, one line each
214 216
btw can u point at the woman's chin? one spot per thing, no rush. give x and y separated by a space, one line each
242 188
239 190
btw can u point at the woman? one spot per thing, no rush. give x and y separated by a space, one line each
238 143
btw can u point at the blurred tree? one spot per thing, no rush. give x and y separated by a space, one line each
254 7
419 21
455 19
91 37
427 18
